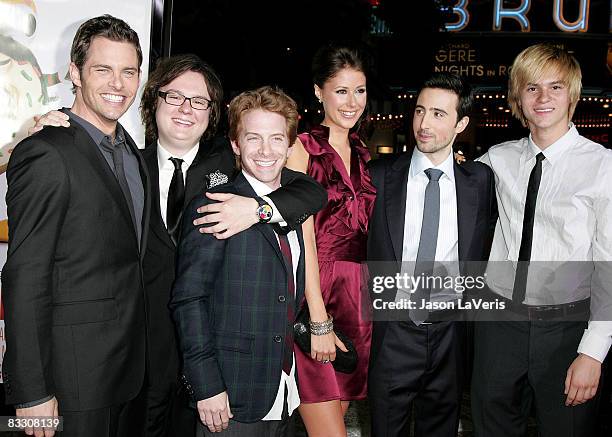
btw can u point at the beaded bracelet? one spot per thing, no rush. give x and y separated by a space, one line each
322 328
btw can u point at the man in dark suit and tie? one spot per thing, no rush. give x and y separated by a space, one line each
181 106
427 209
234 299
78 208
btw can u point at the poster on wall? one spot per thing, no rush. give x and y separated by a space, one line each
35 40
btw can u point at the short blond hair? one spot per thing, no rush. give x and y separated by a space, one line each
267 98
535 61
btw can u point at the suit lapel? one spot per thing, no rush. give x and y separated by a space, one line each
300 279
85 144
157 222
395 201
467 209
146 186
195 182
243 188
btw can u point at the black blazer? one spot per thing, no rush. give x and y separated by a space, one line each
230 308
476 216
72 283
300 197
160 257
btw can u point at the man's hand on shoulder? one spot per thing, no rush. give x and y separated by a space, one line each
46 409
230 215
215 412
582 380
51 118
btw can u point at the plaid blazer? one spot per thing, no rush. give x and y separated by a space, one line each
230 309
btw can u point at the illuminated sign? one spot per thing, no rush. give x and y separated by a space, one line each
464 58
520 15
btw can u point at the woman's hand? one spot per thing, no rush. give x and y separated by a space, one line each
323 347
340 344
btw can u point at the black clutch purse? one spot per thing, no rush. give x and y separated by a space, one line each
345 362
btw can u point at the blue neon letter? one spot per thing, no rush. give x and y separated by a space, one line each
519 14
580 25
463 17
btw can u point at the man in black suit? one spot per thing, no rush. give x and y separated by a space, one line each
78 208
234 299
181 106
427 209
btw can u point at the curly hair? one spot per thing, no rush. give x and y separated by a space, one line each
166 71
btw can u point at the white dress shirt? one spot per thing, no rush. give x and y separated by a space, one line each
446 248
166 171
293 397
573 222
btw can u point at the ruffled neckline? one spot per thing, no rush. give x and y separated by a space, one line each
358 201
321 132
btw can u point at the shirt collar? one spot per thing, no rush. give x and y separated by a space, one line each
259 187
163 156
96 134
554 152
420 162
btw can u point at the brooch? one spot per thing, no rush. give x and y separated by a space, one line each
216 178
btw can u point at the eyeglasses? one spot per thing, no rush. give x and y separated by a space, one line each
176 99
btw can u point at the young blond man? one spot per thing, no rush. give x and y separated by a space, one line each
554 208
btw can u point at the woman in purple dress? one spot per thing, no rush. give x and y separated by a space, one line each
333 154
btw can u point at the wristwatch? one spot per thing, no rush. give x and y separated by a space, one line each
264 211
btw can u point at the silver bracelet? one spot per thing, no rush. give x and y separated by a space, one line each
322 328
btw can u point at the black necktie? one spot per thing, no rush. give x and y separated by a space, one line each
288 353
176 198
428 243
522 267
117 152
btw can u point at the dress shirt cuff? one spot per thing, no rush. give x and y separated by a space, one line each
276 215
596 340
34 403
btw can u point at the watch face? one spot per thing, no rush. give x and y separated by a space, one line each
264 212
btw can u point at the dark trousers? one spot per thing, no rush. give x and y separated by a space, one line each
264 428
420 365
520 365
122 420
167 412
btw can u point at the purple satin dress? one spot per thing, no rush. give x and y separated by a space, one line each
341 233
